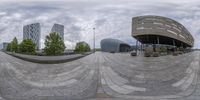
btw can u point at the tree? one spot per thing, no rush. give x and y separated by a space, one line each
27 47
82 47
14 45
54 45
8 47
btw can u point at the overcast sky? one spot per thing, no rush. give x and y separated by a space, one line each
111 18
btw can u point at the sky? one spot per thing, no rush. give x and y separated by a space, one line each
111 18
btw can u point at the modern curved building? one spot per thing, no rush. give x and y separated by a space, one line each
161 30
114 45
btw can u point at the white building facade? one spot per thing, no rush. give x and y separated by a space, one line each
32 31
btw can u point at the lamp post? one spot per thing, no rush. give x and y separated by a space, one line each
94 40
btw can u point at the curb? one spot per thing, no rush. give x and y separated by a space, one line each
48 59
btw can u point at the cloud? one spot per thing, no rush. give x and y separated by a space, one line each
99 22
111 18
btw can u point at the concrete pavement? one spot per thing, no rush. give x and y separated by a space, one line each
102 76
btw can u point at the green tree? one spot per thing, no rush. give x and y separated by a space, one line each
27 47
82 47
14 45
54 45
8 47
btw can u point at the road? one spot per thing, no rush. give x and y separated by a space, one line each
102 76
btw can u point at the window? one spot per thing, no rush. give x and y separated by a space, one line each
172 32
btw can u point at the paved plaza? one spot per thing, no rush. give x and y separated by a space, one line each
102 76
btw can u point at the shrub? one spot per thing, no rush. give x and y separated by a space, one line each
54 45
147 54
155 54
14 45
82 47
175 53
27 47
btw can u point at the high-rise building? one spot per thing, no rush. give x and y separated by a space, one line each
32 31
3 46
58 29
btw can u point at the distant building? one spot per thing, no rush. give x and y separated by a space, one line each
3 46
114 45
58 29
32 31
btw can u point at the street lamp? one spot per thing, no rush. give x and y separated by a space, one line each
94 39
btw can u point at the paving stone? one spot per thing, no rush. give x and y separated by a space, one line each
118 75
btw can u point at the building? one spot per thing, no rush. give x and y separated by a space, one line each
58 29
3 46
114 45
159 30
32 31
